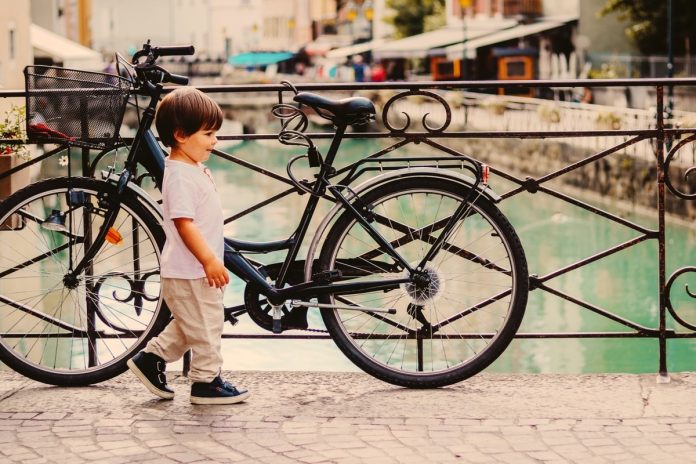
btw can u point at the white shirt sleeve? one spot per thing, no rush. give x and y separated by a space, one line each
181 196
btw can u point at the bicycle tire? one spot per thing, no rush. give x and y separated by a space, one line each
494 262
43 323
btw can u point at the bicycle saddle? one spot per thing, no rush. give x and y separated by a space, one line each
348 110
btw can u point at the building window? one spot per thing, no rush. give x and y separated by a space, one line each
13 46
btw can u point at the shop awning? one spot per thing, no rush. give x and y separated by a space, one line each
356 49
71 54
456 51
433 42
254 59
324 43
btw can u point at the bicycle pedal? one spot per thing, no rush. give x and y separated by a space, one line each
327 276
230 318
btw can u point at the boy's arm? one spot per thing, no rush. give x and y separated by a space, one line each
214 269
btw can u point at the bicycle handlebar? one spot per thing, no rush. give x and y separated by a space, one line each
177 79
148 70
174 50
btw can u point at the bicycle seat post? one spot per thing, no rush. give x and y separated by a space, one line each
333 149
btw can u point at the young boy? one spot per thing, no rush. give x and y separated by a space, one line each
192 271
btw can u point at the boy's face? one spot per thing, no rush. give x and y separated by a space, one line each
197 146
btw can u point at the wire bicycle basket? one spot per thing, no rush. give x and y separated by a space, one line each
82 108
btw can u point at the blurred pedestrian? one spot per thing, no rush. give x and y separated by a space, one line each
379 74
359 69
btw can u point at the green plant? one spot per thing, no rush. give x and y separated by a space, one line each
608 120
549 112
495 105
12 128
411 17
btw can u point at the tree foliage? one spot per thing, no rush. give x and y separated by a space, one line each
648 26
413 17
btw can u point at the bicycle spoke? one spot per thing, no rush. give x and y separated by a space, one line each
50 323
34 260
439 326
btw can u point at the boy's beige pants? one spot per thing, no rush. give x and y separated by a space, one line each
198 321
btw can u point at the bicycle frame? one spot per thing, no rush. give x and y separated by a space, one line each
146 151
377 243
242 268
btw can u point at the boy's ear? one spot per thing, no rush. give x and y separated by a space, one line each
179 136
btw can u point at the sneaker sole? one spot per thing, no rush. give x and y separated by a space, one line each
153 389
220 400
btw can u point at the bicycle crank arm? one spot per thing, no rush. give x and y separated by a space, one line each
308 304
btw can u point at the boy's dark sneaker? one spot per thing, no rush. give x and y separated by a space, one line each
149 369
217 392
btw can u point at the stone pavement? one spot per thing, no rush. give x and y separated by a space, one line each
353 418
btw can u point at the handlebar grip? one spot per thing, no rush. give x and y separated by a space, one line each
175 50
178 79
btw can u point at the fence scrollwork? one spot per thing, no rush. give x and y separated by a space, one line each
668 289
424 120
687 173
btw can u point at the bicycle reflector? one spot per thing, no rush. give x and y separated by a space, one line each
113 236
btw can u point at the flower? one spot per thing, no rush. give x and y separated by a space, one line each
12 128
63 160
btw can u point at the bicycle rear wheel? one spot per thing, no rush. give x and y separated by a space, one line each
462 311
64 331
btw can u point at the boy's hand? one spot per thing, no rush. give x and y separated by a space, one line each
214 270
216 273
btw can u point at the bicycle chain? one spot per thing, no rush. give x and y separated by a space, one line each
326 332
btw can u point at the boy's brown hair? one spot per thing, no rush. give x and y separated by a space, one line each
186 110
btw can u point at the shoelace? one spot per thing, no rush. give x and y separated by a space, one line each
226 384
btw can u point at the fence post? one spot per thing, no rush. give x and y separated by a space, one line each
663 376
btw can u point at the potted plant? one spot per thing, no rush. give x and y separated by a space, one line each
12 155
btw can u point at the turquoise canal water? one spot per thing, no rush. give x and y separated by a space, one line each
554 234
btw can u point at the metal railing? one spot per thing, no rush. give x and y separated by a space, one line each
458 109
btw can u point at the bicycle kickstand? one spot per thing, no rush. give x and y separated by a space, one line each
277 314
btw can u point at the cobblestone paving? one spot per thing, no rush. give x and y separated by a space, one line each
352 418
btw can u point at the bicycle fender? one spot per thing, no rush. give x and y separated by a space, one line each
376 181
142 196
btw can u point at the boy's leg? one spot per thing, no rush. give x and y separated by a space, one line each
202 325
204 335
150 364
170 344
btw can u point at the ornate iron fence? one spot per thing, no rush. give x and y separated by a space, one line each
665 141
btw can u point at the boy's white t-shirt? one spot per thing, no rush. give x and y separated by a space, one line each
188 191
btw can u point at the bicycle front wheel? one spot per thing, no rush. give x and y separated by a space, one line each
460 313
65 330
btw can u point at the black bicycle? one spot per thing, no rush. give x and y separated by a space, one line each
420 280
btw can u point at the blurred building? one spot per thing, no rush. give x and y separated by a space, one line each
67 18
61 34
286 25
217 28
488 39
15 47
